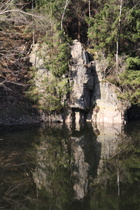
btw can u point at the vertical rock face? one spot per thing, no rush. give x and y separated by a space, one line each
107 107
81 77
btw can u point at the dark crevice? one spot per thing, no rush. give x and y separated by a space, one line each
133 113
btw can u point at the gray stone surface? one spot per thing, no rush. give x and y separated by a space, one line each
81 77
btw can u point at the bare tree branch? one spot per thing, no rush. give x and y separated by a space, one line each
20 11
7 4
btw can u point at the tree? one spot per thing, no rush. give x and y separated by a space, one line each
55 9
129 81
115 28
64 11
54 84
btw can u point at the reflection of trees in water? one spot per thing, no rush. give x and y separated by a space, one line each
53 173
17 189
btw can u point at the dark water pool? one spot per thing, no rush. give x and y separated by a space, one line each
90 167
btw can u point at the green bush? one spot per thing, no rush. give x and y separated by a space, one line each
130 83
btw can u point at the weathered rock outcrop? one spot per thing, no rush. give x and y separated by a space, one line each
80 78
91 97
90 92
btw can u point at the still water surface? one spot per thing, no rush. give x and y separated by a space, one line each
90 167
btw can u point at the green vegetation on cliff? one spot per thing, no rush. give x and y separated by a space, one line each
49 83
130 83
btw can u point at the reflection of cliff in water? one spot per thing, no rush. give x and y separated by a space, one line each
66 163
110 136
86 154
74 168
68 160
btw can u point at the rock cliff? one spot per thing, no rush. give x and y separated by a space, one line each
91 97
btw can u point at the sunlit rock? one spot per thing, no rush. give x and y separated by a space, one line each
81 77
107 106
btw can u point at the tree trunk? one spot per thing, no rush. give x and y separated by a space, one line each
62 18
89 9
78 35
118 36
